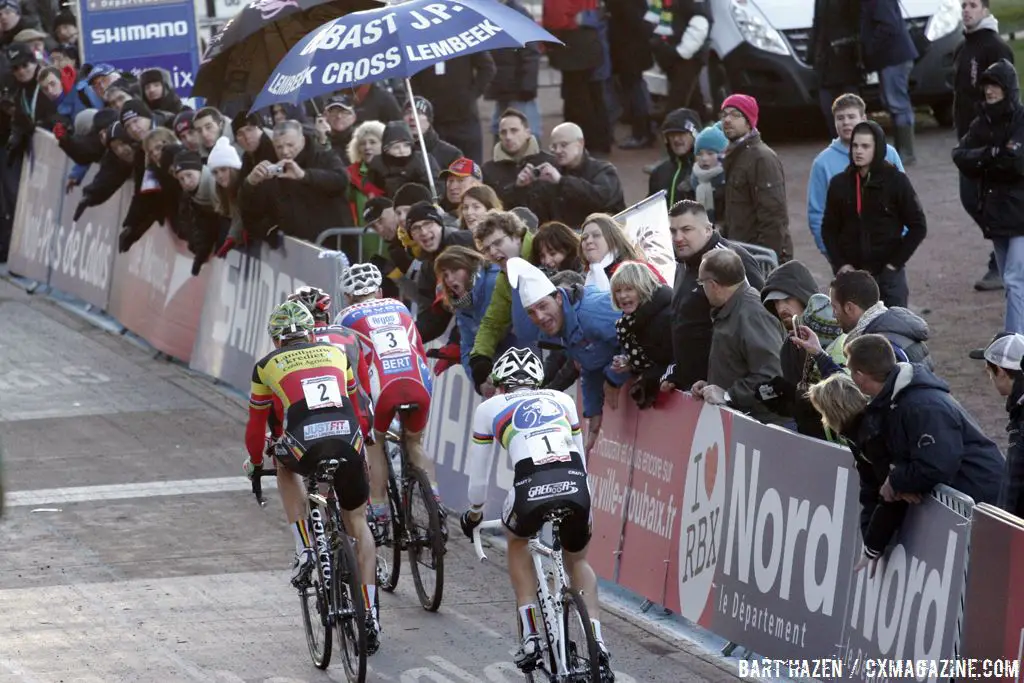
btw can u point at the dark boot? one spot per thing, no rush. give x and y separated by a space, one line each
905 144
991 281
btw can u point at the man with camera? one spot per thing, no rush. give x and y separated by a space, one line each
301 194
573 187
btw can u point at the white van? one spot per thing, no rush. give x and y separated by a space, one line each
759 47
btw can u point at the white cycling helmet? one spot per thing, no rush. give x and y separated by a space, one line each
361 279
518 368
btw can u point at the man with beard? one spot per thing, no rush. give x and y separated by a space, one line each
517 146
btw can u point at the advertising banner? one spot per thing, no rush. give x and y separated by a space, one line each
47 245
243 289
134 35
155 294
646 225
994 606
908 611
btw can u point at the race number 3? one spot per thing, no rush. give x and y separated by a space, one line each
321 392
390 340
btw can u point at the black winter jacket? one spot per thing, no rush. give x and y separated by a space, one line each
112 174
673 174
516 69
501 171
444 153
835 42
454 93
646 328
691 314
885 38
374 103
981 48
864 217
931 440
390 173
992 152
300 208
591 187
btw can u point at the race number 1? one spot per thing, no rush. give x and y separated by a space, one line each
321 392
547 447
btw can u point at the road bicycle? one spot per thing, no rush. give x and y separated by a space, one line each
330 594
417 523
569 650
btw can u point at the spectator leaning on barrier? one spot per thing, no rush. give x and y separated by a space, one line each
755 196
302 195
693 236
254 140
115 169
580 320
785 294
500 237
444 153
646 305
847 111
992 154
205 229
158 90
931 438
982 47
679 130
572 188
211 126
226 167
556 247
873 218
745 338
1002 359
185 129
517 146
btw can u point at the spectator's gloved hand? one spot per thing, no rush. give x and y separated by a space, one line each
777 395
79 210
59 130
480 366
446 356
124 240
228 245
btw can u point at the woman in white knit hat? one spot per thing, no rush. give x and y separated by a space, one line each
225 164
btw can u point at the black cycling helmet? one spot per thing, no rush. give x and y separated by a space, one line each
316 300
517 368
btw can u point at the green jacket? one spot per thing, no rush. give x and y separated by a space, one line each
498 318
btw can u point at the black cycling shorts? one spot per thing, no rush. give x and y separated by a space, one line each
325 435
539 489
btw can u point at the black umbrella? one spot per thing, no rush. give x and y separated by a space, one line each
242 56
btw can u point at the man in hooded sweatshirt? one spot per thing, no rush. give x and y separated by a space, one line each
982 47
680 130
866 210
400 161
847 111
992 155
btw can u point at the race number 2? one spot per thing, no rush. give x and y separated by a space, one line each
321 392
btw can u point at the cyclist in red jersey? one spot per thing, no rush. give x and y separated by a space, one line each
394 371
318 302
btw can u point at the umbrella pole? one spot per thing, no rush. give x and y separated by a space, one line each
419 134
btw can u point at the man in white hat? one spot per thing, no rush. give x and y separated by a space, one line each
1002 358
582 321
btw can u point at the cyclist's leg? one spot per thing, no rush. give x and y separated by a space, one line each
378 472
520 525
415 429
293 498
351 485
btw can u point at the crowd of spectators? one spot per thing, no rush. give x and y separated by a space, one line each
522 248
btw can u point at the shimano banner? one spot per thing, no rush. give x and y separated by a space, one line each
139 35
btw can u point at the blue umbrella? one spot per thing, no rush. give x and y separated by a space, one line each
395 41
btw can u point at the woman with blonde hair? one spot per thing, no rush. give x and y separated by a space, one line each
646 306
466 282
476 202
603 246
840 404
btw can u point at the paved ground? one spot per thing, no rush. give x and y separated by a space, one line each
117 568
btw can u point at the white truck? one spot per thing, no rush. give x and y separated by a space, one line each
759 47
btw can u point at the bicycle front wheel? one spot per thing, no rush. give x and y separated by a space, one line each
349 609
582 656
315 598
426 545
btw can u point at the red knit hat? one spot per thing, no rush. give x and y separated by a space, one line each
746 104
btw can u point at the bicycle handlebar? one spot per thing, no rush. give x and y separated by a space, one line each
257 486
478 545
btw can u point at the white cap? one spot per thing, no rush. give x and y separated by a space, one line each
532 284
1006 352
224 155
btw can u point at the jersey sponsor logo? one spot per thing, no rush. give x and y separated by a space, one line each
321 430
384 320
536 412
558 488
396 365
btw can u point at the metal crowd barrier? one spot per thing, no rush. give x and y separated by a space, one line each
766 258
337 234
963 505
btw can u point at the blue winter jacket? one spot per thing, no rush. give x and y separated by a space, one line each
468 319
588 337
884 37
832 161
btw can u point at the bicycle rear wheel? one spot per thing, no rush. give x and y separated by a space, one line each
582 656
349 608
426 546
389 554
315 598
